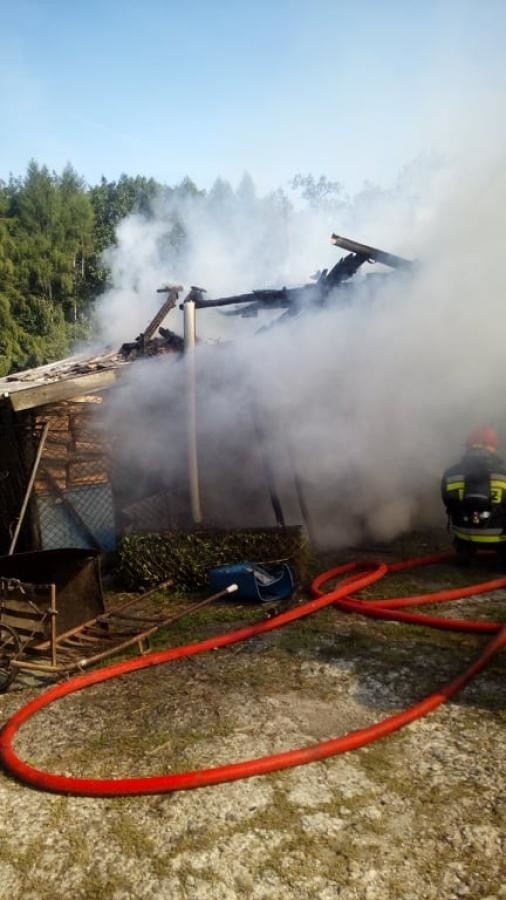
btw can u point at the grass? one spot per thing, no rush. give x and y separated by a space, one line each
330 635
178 709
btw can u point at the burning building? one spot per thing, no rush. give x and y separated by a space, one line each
67 477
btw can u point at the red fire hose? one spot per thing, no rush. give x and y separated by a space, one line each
340 596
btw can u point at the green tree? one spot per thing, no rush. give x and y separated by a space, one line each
112 201
45 237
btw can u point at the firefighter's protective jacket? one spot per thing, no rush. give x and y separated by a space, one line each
474 493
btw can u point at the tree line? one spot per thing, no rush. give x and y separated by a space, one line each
54 229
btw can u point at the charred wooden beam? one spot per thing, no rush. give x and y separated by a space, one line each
223 301
146 344
388 259
171 340
294 299
343 270
172 295
282 298
172 291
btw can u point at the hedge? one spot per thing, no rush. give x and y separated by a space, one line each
186 556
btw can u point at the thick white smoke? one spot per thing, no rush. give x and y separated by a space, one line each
367 402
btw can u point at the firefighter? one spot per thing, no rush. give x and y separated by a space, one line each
474 493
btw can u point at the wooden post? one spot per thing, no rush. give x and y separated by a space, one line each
261 438
306 516
189 349
29 487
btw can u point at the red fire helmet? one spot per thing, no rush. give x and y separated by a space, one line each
486 436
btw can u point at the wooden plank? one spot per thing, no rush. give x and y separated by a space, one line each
34 628
105 617
29 488
84 662
85 638
150 620
77 641
24 614
27 618
80 475
99 633
19 607
76 457
139 638
40 395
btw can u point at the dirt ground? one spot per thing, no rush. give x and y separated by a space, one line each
420 814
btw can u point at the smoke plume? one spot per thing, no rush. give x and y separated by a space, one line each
364 403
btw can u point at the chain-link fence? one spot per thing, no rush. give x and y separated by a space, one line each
73 503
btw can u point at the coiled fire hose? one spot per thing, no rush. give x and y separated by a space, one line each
354 581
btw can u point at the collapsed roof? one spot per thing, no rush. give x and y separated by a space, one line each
81 374
317 293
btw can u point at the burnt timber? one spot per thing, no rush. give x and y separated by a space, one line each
74 495
316 293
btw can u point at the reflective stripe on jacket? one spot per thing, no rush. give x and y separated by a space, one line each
479 535
454 485
474 493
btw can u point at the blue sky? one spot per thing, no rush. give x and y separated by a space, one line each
207 89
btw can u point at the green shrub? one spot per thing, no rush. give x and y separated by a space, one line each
186 556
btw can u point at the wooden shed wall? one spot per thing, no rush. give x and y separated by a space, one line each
77 451
71 503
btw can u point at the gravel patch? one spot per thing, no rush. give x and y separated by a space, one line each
419 815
